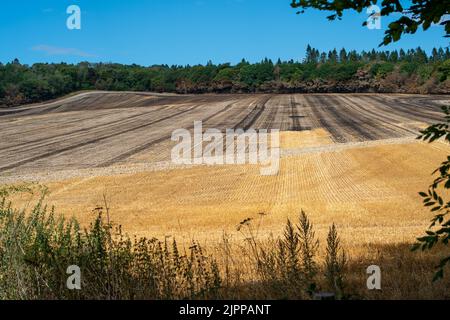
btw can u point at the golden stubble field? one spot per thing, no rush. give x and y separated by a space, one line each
370 192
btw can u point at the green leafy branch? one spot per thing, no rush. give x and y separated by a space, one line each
439 230
420 13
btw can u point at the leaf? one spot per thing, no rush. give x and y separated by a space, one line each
439 275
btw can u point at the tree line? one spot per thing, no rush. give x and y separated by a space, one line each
412 71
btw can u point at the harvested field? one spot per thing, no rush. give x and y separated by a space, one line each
345 158
349 159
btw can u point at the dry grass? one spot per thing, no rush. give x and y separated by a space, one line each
307 138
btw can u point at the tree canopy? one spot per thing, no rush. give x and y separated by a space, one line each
409 71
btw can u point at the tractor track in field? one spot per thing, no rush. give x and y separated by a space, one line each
250 119
432 109
147 145
272 115
387 121
320 113
296 126
402 108
92 141
353 121
87 130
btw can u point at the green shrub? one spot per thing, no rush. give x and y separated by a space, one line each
382 69
444 70
36 249
408 68
288 266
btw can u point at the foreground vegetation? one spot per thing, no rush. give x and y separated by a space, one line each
411 71
435 197
37 247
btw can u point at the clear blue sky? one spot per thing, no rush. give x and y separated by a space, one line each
150 32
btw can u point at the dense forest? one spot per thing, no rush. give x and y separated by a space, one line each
411 71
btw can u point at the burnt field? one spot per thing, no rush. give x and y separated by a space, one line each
99 129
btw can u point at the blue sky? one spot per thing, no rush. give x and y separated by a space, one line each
150 32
